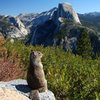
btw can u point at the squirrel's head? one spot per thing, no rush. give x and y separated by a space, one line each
36 54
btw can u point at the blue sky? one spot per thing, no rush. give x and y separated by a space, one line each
14 7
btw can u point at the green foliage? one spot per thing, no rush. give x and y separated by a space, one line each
64 30
84 47
70 77
68 22
62 33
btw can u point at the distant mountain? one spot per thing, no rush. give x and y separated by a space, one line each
12 27
59 26
91 20
46 24
27 18
93 14
20 26
46 28
63 10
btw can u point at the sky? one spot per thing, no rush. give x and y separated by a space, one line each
15 7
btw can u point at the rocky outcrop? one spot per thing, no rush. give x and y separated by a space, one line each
19 90
7 94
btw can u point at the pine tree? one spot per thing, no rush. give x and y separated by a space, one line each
84 47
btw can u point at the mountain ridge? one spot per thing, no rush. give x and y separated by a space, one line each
45 28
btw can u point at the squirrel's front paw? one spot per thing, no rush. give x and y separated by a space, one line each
34 95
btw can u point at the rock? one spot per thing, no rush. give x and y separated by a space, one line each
7 94
47 96
12 41
20 87
65 10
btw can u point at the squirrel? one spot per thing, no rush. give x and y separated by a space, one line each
35 75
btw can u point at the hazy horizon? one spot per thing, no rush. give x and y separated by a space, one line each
15 7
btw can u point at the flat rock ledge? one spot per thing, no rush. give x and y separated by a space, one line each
19 90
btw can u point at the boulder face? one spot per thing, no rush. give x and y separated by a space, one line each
19 90
7 94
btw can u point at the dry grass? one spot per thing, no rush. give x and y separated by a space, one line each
9 70
10 65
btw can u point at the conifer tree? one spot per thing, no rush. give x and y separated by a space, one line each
84 47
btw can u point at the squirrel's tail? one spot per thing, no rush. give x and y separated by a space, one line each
34 95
